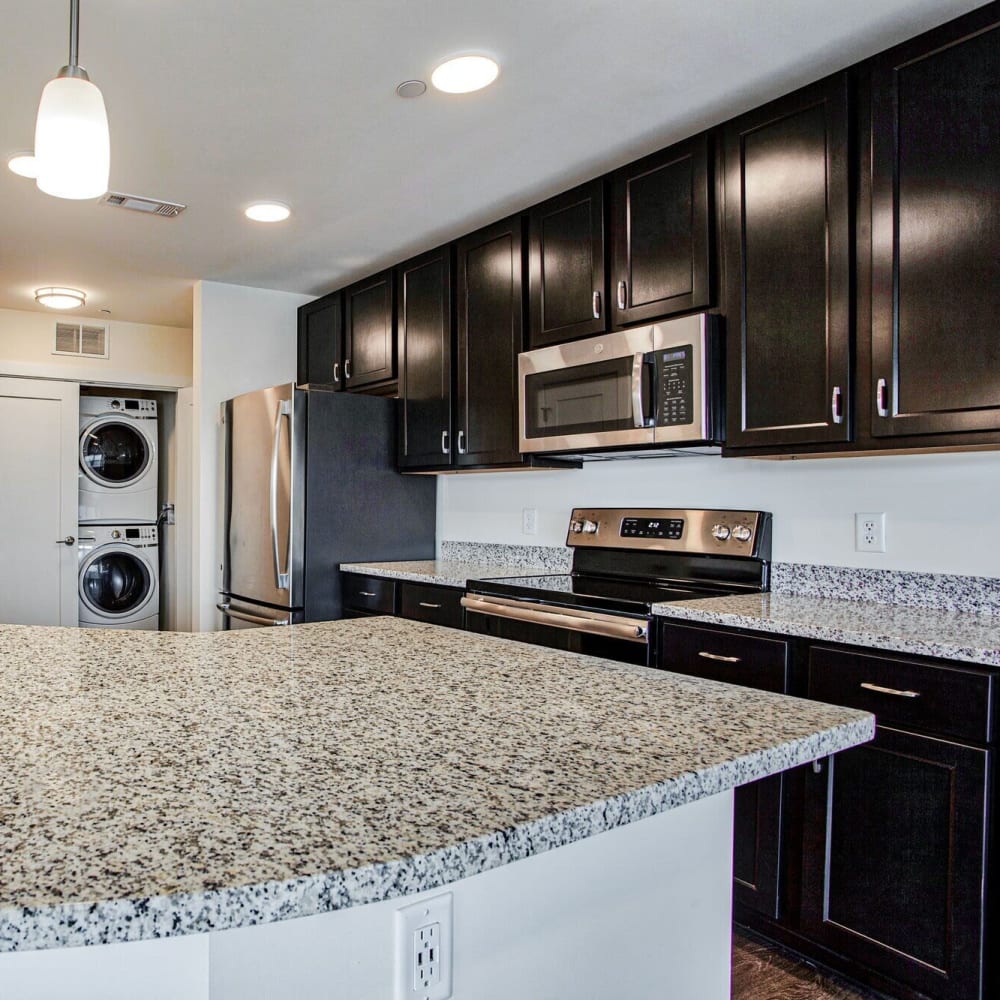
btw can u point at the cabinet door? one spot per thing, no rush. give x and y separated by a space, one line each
936 231
895 860
490 332
661 231
788 269
320 344
567 297
369 335
425 360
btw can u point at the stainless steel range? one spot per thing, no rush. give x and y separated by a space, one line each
625 560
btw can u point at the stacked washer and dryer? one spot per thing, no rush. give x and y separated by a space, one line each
119 580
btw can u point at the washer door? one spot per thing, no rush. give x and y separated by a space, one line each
114 452
115 582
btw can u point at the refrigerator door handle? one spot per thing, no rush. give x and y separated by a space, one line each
283 409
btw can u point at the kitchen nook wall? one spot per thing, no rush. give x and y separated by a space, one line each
939 508
244 339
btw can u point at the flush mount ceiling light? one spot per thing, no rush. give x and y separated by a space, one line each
72 144
465 74
267 211
60 298
23 164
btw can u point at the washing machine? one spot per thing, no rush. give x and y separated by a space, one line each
119 580
118 460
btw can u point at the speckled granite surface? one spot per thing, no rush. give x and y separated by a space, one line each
154 784
952 635
549 558
444 572
944 591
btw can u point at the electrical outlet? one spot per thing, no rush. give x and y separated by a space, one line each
423 949
529 521
869 532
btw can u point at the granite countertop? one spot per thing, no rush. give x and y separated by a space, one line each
444 572
154 784
924 631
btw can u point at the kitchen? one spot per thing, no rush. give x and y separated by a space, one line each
243 338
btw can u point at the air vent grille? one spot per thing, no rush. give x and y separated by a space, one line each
150 206
82 340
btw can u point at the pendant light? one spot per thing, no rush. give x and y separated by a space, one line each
72 144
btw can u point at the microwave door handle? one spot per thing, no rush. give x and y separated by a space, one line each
639 418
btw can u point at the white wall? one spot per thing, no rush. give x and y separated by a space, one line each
142 355
940 509
244 339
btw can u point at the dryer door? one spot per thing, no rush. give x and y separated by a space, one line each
114 452
115 582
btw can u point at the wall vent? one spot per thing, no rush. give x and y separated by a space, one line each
151 206
83 340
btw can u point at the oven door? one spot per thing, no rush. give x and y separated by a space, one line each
593 393
614 637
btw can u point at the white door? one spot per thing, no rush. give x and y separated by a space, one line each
39 423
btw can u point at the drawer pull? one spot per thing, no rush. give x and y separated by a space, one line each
367 593
427 604
885 690
718 656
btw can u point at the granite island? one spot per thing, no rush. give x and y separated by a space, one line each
172 801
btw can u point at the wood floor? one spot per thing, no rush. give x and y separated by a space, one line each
761 973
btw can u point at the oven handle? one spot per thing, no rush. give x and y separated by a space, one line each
630 629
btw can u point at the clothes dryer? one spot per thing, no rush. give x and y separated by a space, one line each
119 579
118 460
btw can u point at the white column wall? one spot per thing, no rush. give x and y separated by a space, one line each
244 339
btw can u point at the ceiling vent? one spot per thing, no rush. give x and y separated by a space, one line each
150 206
82 340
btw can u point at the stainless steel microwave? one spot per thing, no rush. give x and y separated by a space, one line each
648 387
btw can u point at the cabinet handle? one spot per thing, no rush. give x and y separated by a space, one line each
427 604
817 767
347 368
718 656
461 442
367 593
882 398
622 294
336 371
597 305
885 690
444 443
836 411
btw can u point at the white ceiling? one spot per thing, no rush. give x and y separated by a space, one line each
215 103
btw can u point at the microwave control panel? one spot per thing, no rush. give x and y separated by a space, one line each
675 388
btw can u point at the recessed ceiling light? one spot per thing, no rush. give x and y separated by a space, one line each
23 164
267 211
465 74
60 298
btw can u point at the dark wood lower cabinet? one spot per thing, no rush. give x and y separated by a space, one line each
895 861
757 823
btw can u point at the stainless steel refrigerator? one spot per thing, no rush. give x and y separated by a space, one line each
311 482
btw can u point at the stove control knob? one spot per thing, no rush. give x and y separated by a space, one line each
741 533
576 527
720 531
589 527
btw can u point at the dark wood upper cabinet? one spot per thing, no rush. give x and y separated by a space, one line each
490 328
661 222
369 332
320 343
935 176
425 345
788 270
567 290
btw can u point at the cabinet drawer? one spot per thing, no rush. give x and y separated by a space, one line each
725 656
369 593
429 603
946 700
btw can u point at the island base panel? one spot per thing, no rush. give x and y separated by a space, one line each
642 911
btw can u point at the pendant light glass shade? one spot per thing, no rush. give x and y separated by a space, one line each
72 142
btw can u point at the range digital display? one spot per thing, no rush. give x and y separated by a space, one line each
652 527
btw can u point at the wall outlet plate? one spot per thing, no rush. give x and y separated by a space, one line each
529 520
869 532
424 949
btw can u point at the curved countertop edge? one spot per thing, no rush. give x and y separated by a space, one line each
135 919
844 631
